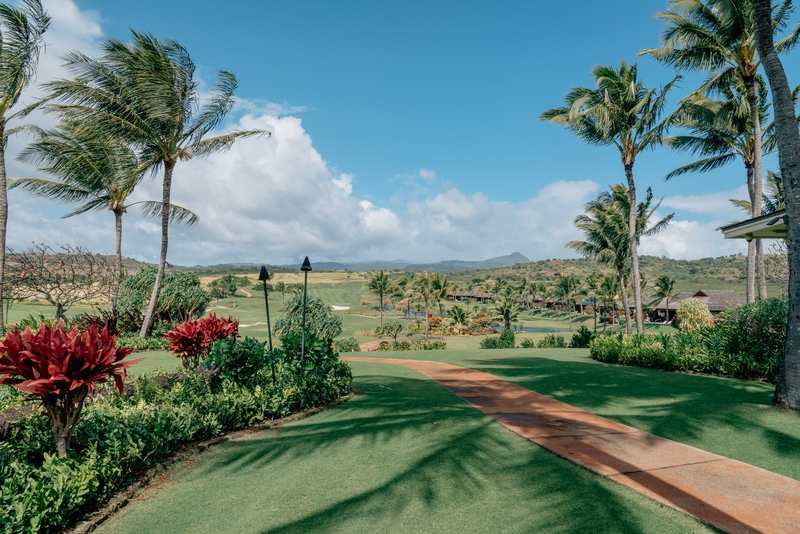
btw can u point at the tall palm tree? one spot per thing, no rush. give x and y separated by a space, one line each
611 292
282 288
567 288
605 228
441 287
425 291
539 290
94 170
665 290
144 94
22 30
720 132
717 37
787 390
622 112
380 284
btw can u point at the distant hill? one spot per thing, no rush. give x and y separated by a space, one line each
439 266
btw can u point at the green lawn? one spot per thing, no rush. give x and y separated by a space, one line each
721 415
406 455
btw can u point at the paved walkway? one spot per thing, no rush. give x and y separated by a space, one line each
731 495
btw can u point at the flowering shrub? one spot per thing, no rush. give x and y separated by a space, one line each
62 368
694 315
192 340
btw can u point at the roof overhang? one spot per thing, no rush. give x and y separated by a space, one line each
771 226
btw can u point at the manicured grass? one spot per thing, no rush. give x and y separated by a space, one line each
154 360
720 415
406 455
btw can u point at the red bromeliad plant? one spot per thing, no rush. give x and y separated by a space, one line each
192 340
62 368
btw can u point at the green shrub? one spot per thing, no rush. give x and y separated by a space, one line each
582 338
392 346
694 315
117 437
421 344
528 343
133 341
552 341
348 344
238 361
506 340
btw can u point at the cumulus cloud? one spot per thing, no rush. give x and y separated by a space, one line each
716 203
691 240
427 175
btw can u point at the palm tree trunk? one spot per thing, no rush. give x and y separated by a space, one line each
3 217
625 303
441 316
787 390
380 299
752 99
169 166
761 270
426 320
117 263
636 279
751 272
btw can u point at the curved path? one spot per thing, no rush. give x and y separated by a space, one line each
731 495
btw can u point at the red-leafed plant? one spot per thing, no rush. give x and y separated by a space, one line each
192 340
62 368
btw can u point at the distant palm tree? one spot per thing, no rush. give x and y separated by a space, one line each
282 288
425 291
567 288
94 170
404 289
441 287
458 316
611 292
665 290
507 310
592 288
380 284
620 111
538 291
21 31
144 94
605 228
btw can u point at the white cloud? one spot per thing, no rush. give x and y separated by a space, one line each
716 203
427 175
691 240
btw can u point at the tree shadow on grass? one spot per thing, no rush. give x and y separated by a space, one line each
464 470
722 415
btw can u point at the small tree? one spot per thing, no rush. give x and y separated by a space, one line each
391 329
61 278
380 285
693 315
224 286
321 322
62 368
192 340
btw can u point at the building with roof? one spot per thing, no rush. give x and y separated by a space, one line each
717 300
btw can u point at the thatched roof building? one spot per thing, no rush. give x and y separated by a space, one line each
717 300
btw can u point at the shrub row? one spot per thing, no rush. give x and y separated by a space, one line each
746 342
417 344
506 340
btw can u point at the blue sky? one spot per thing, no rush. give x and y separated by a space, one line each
425 111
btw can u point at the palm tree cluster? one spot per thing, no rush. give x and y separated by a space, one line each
134 111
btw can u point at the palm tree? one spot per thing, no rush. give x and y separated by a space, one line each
507 310
606 231
441 287
380 284
404 289
21 30
539 291
717 37
425 291
567 288
665 290
522 289
282 288
458 317
720 132
621 112
592 288
144 94
611 292
787 390
94 170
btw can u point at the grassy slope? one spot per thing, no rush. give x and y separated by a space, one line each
380 464
721 415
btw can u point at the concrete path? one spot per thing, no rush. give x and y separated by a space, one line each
731 495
